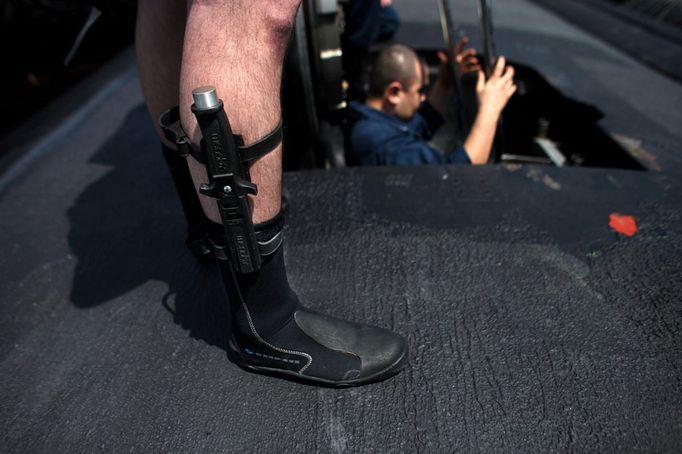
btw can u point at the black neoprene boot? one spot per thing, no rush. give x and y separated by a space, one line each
272 333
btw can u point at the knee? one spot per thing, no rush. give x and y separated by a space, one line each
280 15
275 16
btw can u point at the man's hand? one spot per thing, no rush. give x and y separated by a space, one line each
466 59
467 62
494 93
385 3
492 97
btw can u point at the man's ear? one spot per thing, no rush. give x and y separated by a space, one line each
393 92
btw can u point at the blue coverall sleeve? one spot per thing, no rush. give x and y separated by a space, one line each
427 121
459 156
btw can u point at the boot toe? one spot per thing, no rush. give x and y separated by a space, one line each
382 353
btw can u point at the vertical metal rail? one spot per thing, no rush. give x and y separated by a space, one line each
486 21
489 60
305 69
449 39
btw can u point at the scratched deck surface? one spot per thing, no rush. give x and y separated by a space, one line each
533 326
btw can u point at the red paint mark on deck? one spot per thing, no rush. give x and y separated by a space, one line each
623 223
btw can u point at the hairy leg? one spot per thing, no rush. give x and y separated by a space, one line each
238 46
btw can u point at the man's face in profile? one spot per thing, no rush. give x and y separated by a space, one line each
411 96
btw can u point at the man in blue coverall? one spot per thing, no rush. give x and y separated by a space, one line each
394 124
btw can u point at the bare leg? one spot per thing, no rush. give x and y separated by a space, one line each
238 46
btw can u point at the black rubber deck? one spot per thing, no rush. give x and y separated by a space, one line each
533 326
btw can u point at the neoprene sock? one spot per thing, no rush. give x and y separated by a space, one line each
266 293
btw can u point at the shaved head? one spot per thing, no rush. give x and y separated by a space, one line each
395 63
